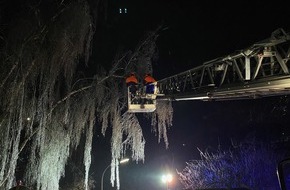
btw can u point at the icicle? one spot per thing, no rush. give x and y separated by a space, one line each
163 119
88 147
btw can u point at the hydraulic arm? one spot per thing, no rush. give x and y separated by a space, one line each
257 71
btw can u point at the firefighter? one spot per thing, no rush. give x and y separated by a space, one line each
148 80
131 79
132 83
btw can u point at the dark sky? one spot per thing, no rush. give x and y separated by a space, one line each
196 31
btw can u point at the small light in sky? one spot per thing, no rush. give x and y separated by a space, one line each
28 119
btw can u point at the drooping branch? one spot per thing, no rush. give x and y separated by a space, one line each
45 87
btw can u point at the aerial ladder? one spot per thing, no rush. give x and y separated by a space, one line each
260 70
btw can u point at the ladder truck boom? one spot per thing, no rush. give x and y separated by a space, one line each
258 71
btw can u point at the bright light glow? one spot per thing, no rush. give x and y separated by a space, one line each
124 160
28 119
167 178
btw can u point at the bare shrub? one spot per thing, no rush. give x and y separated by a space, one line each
252 165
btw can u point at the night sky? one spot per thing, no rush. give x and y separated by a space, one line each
194 32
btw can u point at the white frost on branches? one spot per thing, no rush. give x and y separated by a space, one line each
46 108
250 165
39 70
127 134
88 146
162 118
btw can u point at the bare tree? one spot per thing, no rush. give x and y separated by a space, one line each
46 108
250 165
